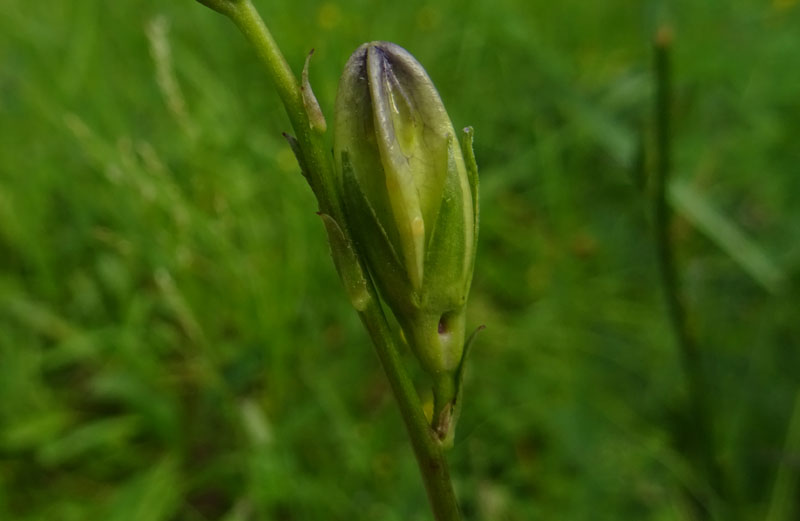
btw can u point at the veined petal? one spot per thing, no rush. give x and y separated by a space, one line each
394 120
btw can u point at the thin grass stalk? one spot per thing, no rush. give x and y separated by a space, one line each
701 440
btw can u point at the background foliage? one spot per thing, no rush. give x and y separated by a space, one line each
174 343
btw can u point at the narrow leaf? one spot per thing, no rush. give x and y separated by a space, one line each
316 118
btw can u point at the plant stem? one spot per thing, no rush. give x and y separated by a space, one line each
703 447
427 449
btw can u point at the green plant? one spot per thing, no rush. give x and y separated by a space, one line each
399 201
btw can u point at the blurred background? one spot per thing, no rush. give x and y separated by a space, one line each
174 341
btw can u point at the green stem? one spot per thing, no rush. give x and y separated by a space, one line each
703 447
427 449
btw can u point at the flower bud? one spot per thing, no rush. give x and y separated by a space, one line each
410 198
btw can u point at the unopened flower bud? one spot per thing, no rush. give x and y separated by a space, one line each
410 198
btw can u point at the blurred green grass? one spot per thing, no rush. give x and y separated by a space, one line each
174 343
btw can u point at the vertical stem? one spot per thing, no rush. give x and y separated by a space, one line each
702 441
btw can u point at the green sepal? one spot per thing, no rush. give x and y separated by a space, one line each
436 324
347 265
445 424
472 168
446 262
366 228
472 176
